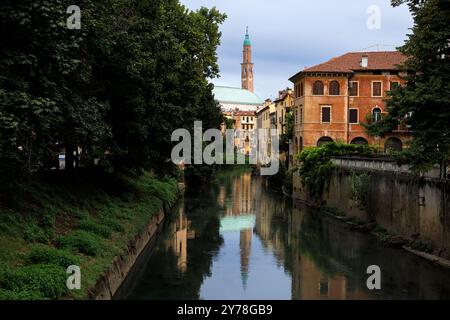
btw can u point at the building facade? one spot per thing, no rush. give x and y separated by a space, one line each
334 98
283 106
264 124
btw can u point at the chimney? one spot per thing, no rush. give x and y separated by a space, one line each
365 61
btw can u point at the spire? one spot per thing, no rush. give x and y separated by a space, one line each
247 39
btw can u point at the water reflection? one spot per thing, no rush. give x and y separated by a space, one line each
239 240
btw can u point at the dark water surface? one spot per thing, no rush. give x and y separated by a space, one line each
239 240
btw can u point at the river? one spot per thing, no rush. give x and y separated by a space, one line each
237 239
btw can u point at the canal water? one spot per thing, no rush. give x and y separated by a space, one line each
237 239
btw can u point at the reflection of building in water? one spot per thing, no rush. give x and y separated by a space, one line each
269 224
245 246
180 233
243 198
221 197
309 282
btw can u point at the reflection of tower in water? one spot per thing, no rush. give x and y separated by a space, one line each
243 195
245 245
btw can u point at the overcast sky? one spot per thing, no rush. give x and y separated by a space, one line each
288 35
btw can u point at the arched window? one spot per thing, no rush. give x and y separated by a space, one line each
360 141
323 141
318 88
393 144
376 114
334 88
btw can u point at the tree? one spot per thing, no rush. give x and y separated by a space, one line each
116 89
424 102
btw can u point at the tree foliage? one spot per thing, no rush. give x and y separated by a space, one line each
424 102
115 89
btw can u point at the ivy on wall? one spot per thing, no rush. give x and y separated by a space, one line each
316 167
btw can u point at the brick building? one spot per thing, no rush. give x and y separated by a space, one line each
332 99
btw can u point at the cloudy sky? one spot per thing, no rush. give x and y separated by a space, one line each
288 35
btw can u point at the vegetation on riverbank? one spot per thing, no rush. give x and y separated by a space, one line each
64 219
316 166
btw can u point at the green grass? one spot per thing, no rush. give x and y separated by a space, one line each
62 219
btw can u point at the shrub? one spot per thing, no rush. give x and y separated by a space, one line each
360 185
114 225
53 256
35 281
34 233
81 241
316 166
95 227
20 295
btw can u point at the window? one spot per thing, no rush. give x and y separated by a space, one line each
376 114
376 89
353 90
300 120
334 88
394 85
326 114
353 116
323 288
302 90
323 141
360 141
393 144
318 88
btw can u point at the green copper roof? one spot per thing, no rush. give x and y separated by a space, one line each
236 95
247 39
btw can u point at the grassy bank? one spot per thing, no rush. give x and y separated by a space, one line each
83 218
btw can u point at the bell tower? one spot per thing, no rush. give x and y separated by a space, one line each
247 65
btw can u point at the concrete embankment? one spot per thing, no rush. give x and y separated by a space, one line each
414 208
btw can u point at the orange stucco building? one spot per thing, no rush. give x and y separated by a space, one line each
334 98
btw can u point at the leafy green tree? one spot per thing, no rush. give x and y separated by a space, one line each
423 103
116 89
45 100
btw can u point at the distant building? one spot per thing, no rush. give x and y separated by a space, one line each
243 98
264 123
334 98
244 123
231 99
241 104
283 105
